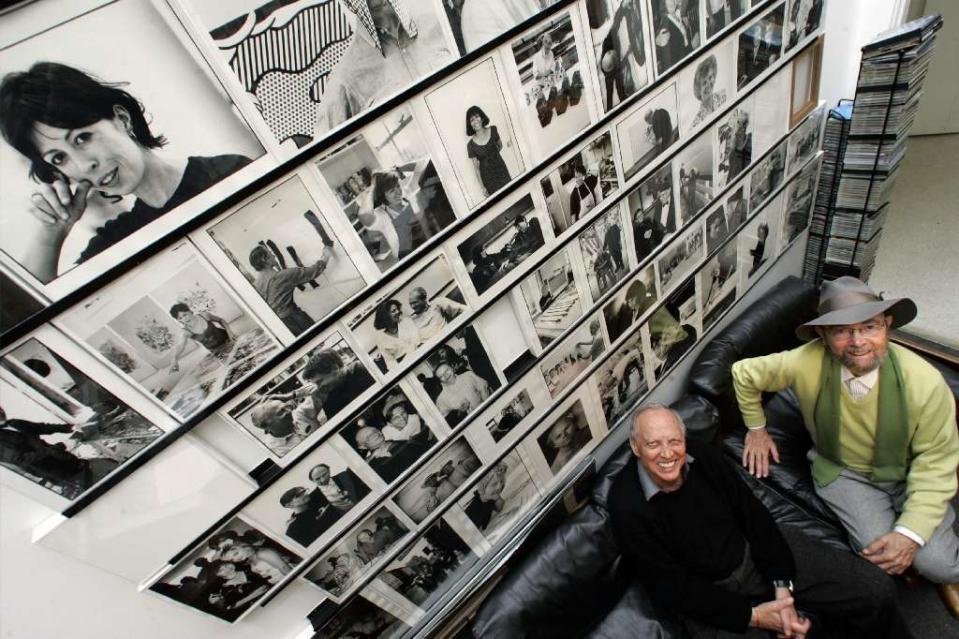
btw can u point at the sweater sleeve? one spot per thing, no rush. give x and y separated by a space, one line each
753 376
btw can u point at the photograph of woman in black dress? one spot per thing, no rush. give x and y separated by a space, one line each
484 148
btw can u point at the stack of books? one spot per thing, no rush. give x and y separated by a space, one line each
864 144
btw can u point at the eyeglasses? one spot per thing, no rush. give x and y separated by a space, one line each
868 330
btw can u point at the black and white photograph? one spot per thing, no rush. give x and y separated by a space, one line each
758 242
631 303
804 141
621 380
573 355
799 202
677 31
580 183
502 495
734 143
718 309
603 247
736 209
712 81
694 177
174 329
673 327
430 567
393 325
721 13
718 277
552 297
648 130
386 185
471 118
459 376
229 572
312 66
475 22
566 436
760 46
439 478
504 242
508 341
717 228
770 116
767 176
341 567
96 147
59 428
802 20
283 248
681 257
551 80
619 46
362 618
502 421
303 396
391 435
310 498
652 208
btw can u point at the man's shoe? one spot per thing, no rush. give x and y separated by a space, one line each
950 597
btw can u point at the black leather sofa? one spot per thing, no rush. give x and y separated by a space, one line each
573 583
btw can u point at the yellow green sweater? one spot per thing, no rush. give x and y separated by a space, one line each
933 438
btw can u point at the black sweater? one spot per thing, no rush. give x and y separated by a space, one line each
680 543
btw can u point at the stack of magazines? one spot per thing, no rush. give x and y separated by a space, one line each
864 144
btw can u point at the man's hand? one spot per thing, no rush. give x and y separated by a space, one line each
759 446
893 552
769 616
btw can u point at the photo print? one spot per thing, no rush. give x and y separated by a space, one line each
648 130
565 437
310 66
503 494
439 478
386 184
693 174
616 28
361 617
621 380
803 19
390 436
603 247
721 13
712 81
503 420
61 429
718 277
310 498
303 395
734 143
681 257
719 309
552 297
758 241
550 80
504 242
653 211
800 196
394 325
760 46
673 327
430 567
736 210
340 568
580 183
506 337
475 22
116 154
676 25
458 376
470 115
770 116
767 176
805 140
229 572
561 366
171 327
286 252
631 303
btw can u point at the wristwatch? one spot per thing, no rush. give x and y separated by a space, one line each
783 583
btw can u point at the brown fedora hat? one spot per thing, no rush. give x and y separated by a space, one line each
847 300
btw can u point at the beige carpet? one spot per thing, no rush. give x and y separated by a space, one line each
919 251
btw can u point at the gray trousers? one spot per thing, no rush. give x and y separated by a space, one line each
869 509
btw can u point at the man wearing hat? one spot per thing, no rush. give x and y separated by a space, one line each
883 422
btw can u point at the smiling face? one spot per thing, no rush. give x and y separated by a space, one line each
860 347
102 153
659 442
444 372
396 312
708 80
394 196
267 570
562 433
237 553
476 122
